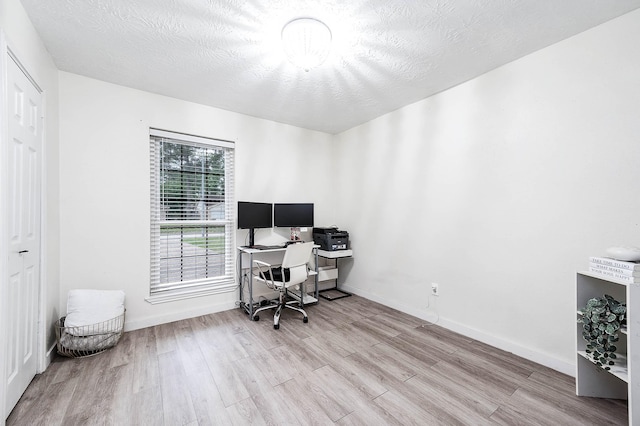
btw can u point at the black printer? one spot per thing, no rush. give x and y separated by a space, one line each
331 239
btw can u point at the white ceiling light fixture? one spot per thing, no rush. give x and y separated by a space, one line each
306 42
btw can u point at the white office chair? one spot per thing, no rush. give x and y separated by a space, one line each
293 272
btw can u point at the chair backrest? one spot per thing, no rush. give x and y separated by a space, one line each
297 254
295 259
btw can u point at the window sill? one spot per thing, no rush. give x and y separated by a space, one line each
172 296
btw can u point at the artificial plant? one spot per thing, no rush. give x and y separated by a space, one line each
601 319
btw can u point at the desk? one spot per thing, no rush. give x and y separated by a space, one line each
249 305
332 274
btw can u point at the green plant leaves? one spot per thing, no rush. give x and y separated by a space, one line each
602 317
619 309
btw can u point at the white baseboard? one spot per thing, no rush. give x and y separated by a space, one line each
139 323
505 345
51 352
44 362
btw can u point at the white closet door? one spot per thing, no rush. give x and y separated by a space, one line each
24 122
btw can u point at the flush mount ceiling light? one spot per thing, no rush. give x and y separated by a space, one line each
306 42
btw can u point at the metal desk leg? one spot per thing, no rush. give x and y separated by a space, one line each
250 286
315 250
248 307
240 280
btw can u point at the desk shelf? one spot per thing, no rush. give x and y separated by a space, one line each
308 299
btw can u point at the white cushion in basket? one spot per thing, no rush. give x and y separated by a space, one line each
91 307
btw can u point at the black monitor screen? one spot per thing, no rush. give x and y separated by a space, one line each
254 215
293 215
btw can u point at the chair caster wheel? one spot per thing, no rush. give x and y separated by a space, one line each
256 318
276 326
305 320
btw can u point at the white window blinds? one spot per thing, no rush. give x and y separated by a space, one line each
192 215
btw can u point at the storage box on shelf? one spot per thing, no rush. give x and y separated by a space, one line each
618 383
327 272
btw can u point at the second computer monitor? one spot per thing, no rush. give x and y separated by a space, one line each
293 215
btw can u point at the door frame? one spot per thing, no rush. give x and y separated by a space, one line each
41 327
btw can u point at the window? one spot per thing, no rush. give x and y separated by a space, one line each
192 216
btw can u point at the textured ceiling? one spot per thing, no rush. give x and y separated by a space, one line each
386 53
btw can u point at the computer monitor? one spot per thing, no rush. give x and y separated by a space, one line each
254 215
293 215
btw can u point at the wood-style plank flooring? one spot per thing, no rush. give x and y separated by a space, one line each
355 363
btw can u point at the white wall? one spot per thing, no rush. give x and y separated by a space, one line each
104 175
24 41
499 190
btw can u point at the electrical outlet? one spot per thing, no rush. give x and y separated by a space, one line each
435 289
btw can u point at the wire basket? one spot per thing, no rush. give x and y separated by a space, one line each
88 340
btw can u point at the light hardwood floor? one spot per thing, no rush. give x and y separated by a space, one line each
355 363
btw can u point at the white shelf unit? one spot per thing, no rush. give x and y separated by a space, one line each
329 272
622 381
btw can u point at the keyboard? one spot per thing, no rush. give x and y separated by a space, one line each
261 247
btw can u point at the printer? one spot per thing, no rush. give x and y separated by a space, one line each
331 239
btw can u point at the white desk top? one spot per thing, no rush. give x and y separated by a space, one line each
255 250
250 250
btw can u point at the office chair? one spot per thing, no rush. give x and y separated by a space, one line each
291 273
